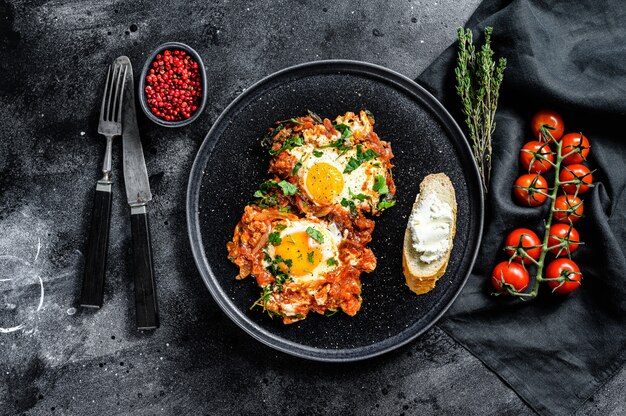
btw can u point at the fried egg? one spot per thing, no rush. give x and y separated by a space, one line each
305 249
324 178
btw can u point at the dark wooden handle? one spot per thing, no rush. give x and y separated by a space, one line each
145 289
95 262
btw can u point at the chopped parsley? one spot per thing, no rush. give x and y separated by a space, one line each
331 261
358 197
349 203
265 297
345 130
309 257
315 235
280 276
360 157
264 188
317 153
296 168
288 188
384 204
274 238
280 279
380 185
288 144
270 200
341 146
273 132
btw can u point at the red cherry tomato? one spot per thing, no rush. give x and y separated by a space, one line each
564 239
578 176
568 208
536 156
509 275
531 189
575 142
546 123
567 269
523 239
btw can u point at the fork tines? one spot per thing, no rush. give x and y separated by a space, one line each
111 109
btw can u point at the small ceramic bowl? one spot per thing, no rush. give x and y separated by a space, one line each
142 85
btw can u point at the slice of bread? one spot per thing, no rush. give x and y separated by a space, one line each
420 276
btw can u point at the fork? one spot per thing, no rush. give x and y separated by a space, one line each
110 126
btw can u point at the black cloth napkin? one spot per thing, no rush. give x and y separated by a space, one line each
569 55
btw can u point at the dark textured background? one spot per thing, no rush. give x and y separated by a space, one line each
67 361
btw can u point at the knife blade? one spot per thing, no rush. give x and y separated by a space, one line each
138 195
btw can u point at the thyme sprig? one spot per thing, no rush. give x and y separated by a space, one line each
478 81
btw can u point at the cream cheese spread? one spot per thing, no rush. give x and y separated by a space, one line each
429 225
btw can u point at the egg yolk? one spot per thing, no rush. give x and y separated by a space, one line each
297 248
324 182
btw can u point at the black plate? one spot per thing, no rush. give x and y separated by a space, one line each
425 139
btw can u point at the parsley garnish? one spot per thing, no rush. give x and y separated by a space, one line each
358 197
288 188
293 120
317 153
345 130
350 203
315 235
265 297
339 144
331 261
280 276
289 143
361 157
296 168
273 132
380 185
274 238
264 188
309 256
385 204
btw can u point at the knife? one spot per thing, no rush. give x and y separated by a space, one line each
138 195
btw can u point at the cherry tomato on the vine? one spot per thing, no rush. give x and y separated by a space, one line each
546 123
536 157
531 189
568 208
509 276
566 269
523 239
574 142
563 239
576 176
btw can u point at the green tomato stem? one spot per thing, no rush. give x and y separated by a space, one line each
544 249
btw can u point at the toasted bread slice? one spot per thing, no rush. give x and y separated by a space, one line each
420 276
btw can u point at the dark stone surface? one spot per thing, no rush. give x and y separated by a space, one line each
65 360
